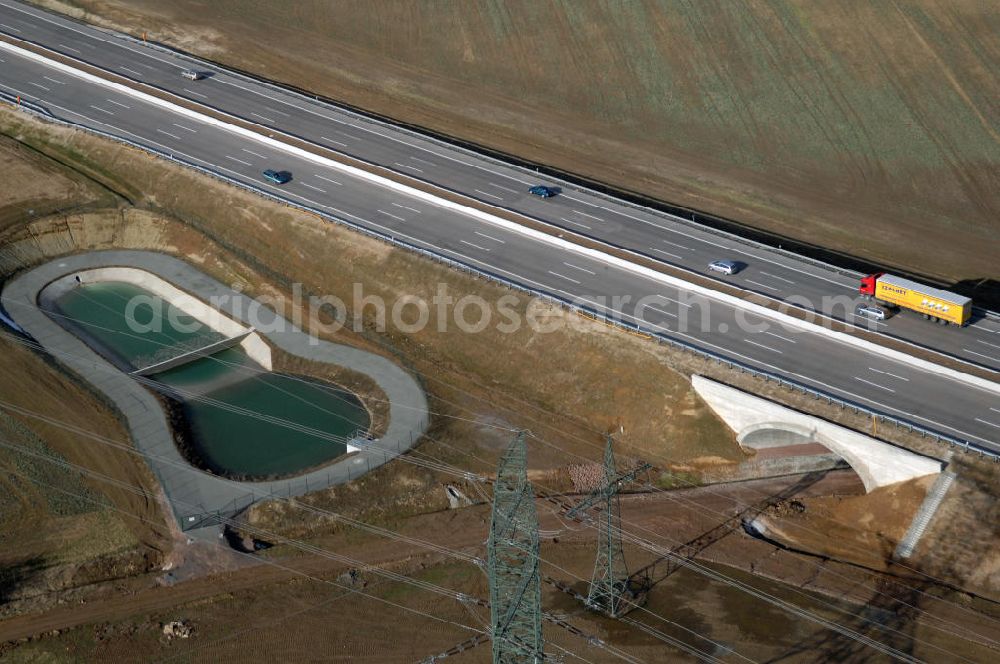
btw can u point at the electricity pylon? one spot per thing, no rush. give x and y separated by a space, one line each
512 563
611 590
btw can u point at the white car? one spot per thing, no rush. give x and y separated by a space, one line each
192 74
725 267
867 311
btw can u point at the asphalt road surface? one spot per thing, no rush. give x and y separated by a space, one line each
865 377
655 235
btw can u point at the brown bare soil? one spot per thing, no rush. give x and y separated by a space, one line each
862 529
58 530
270 613
567 386
845 125
36 187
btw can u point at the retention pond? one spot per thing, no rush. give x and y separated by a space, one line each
239 419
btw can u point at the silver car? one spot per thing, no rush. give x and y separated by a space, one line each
192 74
725 267
868 311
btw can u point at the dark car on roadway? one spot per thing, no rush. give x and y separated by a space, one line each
543 191
277 177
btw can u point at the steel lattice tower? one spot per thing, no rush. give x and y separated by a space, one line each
512 559
609 587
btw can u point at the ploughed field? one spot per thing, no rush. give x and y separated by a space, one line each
869 128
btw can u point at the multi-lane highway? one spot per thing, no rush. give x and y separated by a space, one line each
657 236
867 377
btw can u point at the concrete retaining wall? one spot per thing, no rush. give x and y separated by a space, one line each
877 463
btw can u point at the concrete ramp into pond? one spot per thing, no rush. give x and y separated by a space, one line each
192 355
762 423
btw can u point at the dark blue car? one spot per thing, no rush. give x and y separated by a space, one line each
543 191
277 177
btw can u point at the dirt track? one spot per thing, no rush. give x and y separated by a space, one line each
682 514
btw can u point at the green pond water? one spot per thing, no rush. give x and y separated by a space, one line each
230 404
132 324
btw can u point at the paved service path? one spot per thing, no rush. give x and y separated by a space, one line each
197 496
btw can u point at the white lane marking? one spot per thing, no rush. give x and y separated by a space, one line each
268 108
474 245
102 110
666 253
329 180
791 341
486 193
196 94
580 200
49 78
490 237
563 276
498 186
581 269
38 85
756 361
407 207
888 373
987 422
330 140
677 245
137 73
575 223
262 117
588 215
389 214
669 219
351 137
245 163
774 276
988 357
670 299
9 27
117 103
306 184
422 161
256 154
985 329
70 48
414 168
180 126
773 350
995 410
150 67
881 387
659 311
807 379
987 343
757 283
167 133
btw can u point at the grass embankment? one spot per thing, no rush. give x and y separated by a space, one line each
866 128
567 386
57 529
